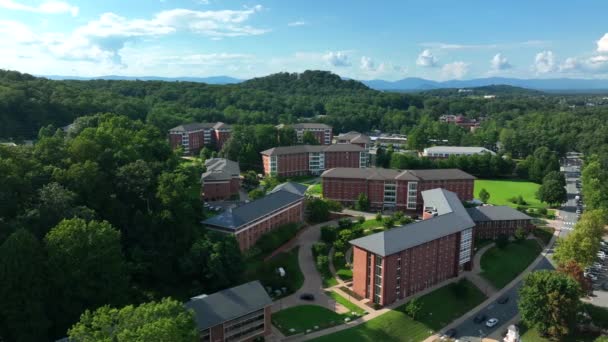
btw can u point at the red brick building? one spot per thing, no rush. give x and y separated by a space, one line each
388 188
400 262
298 160
221 181
322 132
193 137
252 220
355 138
397 263
241 313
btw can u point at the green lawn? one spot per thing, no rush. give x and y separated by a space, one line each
345 273
502 190
500 266
257 269
315 190
303 317
544 233
370 224
347 304
326 277
438 309
531 335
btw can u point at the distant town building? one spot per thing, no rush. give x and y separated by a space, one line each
240 313
460 120
397 263
398 141
355 138
322 132
489 97
298 160
447 151
250 221
221 180
193 137
393 189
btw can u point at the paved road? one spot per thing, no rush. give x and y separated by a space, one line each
470 331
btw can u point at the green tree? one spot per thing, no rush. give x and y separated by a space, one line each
484 195
287 136
86 269
556 176
549 301
250 179
167 320
583 243
388 222
520 234
552 192
413 307
308 138
362 203
575 271
256 194
23 288
317 210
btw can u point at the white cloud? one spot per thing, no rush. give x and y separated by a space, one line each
16 32
544 62
456 46
367 64
297 23
602 44
426 59
455 70
499 62
337 59
46 7
592 64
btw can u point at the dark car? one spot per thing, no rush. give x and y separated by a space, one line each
451 333
503 300
307 296
479 318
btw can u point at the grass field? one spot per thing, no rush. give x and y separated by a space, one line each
502 190
265 271
344 302
438 309
500 266
303 317
531 335
315 190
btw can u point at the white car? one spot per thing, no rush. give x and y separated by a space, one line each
491 322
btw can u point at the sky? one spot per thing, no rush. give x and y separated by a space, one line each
358 39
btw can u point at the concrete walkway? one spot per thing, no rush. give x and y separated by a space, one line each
475 277
312 279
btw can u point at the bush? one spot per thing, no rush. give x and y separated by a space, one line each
339 258
522 208
345 223
320 248
502 241
379 216
328 234
405 220
256 194
322 261
276 238
388 222
520 200
398 215
360 219
542 211
520 234
333 205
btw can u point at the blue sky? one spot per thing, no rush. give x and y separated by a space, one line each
390 40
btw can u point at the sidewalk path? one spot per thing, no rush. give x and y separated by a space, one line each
312 279
474 275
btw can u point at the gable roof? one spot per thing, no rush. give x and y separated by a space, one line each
457 149
496 213
220 169
232 219
282 150
453 219
376 173
354 138
294 188
228 304
189 127
310 125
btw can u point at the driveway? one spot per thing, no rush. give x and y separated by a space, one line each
312 278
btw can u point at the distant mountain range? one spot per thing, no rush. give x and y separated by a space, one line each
406 84
208 80
550 84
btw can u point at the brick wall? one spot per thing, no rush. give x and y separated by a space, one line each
292 164
342 159
359 271
221 137
175 140
492 229
248 236
215 191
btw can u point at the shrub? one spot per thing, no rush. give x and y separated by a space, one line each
398 215
522 208
502 241
388 222
276 238
542 211
520 234
322 261
339 257
406 220
328 234
333 205
413 307
345 223
360 219
521 201
379 216
320 248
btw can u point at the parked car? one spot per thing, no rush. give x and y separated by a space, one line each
479 318
503 300
591 276
307 296
491 322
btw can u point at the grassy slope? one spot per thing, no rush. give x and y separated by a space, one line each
350 306
303 317
500 266
501 190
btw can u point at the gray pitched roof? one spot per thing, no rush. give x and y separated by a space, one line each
282 150
386 174
195 126
457 149
228 304
220 169
310 125
354 138
496 213
221 125
453 219
234 218
294 188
